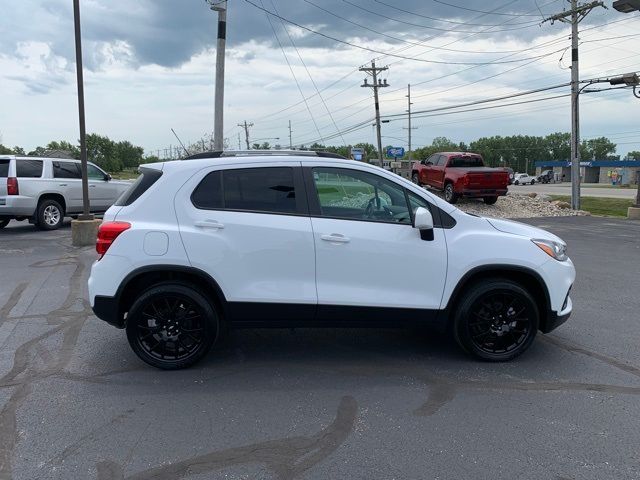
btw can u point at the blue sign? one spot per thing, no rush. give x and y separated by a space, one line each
395 152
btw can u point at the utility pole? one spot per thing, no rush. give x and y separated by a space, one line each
574 16
377 83
290 137
409 128
246 126
221 8
239 144
83 133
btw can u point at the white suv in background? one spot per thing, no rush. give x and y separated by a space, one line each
45 190
303 239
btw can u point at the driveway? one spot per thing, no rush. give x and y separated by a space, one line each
75 402
586 190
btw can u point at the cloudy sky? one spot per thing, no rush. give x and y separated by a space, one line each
149 67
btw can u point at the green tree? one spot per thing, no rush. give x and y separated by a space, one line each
597 149
634 155
18 150
129 155
63 145
102 151
5 150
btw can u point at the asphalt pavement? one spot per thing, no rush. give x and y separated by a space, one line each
76 403
586 190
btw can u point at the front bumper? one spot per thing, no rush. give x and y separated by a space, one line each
554 319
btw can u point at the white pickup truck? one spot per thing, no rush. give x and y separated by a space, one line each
45 190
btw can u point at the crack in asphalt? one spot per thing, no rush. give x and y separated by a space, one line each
12 301
286 458
25 370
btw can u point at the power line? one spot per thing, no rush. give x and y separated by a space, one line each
292 72
479 11
373 50
308 74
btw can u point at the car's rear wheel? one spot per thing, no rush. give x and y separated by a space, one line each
50 215
533 181
496 320
517 182
490 200
172 326
415 178
449 194
4 223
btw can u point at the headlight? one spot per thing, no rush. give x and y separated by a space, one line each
556 250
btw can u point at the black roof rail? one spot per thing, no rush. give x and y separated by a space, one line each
255 153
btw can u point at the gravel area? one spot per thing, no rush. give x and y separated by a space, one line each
518 206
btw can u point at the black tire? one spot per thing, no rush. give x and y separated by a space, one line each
533 181
415 178
4 223
490 200
449 194
481 325
517 182
172 315
49 215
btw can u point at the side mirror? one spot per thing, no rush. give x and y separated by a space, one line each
423 221
423 162
107 177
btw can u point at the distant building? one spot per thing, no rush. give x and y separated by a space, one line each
620 172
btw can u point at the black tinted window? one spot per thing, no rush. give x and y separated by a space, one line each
208 194
466 162
147 178
4 168
442 159
29 168
260 189
66 170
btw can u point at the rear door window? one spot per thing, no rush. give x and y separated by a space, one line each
4 168
29 168
264 190
66 170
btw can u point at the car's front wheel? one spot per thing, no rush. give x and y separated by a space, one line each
415 178
50 215
172 326
449 193
496 320
533 182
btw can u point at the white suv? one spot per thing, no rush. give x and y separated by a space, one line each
306 239
45 190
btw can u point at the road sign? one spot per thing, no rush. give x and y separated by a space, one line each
395 152
357 153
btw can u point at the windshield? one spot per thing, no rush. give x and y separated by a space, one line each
465 162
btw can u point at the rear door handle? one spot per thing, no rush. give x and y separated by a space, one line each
335 238
63 185
209 224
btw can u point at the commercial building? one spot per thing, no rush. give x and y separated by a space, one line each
616 172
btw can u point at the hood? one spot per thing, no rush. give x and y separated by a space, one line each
522 229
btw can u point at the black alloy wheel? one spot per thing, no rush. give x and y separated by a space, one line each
496 320
172 326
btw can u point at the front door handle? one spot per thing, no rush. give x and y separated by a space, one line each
335 238
63 185
209 224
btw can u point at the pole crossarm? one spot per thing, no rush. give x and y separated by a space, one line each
581 11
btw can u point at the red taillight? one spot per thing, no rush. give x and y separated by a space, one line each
107 233
12 186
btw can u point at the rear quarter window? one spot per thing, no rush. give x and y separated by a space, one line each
29 168
148 177
4 168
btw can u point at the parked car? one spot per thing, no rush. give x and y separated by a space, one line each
523 179
461 174
45 190
545 177
292 240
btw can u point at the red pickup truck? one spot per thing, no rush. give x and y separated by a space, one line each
461 174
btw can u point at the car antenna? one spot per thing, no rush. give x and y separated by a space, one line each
182 144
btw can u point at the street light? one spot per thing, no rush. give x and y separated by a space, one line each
626 6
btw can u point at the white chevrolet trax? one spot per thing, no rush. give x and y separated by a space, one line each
294 239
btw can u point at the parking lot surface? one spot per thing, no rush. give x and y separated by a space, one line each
75 402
